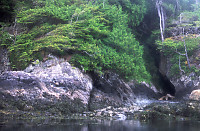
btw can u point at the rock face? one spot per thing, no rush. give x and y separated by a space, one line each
185 83
54 83
54 86
110 90
144 91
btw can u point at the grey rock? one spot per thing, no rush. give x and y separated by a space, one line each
54 82
110 90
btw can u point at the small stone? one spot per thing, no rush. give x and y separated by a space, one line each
98 114
109 108
91 115
57 83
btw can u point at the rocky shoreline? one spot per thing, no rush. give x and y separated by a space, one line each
54 89
155 110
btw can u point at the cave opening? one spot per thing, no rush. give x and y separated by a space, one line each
166 85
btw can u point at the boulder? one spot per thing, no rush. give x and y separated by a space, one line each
187 110
195 95
53 85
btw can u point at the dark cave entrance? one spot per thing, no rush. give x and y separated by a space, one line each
166 85
153 58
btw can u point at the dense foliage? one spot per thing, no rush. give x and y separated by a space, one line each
100 35
95 33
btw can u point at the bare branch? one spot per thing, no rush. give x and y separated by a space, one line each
186 50
15 31
179 52
88 53
188 62
179 63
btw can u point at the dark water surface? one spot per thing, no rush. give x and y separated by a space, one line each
98 125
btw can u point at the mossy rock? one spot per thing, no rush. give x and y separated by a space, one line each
167 111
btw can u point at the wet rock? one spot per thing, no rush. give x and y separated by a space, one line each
120 117
170 110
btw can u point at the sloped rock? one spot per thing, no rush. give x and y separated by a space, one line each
100 99
144 91
53 85
110 90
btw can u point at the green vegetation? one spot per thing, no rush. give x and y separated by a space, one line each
100 35
96 33
174 46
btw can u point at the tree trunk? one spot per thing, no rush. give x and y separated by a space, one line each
15 31
196 5
186 54
162 19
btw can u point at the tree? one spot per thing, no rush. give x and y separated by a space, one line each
96 32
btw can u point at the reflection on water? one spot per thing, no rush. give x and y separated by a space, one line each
99 125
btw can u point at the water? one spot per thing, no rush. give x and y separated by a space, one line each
99 125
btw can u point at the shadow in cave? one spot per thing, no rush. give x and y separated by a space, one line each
166 85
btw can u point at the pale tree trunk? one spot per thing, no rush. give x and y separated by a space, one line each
179 63
177 4
162 18
197 4
186 54
15 31
177 9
